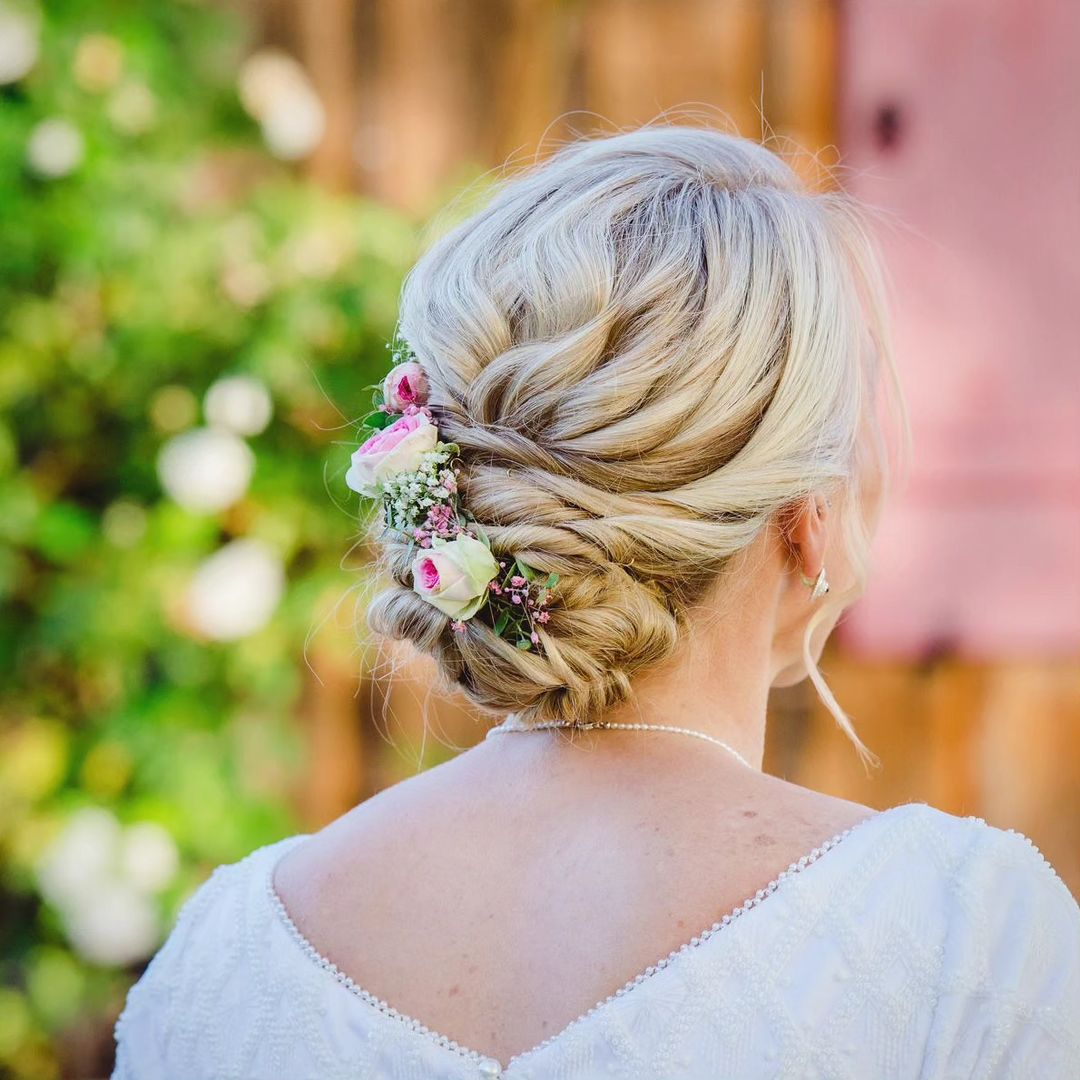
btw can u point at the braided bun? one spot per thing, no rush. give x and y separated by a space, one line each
644 347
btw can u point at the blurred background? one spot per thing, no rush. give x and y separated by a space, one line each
206 210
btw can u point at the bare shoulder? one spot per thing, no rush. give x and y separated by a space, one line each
458 803
385 827
803 813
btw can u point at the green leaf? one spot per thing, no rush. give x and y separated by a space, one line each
524 643
552 580
65 531
377 397
501 621
379 420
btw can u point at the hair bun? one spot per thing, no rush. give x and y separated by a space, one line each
642 348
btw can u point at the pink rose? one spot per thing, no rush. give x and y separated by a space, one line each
405 385
454 574
395 449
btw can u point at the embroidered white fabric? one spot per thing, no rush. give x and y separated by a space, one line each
916 945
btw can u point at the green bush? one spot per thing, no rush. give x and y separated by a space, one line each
153 247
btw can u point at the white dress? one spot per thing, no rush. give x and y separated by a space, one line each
915 945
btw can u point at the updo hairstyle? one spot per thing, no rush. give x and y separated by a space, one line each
646 346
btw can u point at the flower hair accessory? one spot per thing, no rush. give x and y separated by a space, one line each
404 463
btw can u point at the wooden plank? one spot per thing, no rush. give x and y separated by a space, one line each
801 83
643 58
997 741
420 137
337 768
328 49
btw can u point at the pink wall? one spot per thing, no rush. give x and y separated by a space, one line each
963 118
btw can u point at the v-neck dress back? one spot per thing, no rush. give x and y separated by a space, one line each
915 945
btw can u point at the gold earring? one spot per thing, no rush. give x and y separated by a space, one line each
820 584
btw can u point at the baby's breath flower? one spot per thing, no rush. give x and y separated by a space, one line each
412 496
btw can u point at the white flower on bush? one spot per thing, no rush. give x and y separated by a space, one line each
294 128
83 853
236 591
55 149
206 469
397 448
98 63
240 404
114 926
19 42
277 92
245 281
123 523
148 856
317 250
133 108
103 879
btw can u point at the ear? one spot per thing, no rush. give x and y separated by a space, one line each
805 529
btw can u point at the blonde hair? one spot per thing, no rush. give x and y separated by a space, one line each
645 346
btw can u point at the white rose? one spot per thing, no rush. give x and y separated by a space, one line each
454 574
395 449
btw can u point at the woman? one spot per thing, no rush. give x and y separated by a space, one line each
629 464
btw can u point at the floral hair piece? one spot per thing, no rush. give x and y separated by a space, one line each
404 463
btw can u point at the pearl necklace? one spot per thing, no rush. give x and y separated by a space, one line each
544 725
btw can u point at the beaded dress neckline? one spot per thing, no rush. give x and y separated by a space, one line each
490 1067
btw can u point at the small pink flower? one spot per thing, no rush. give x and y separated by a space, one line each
436 518
543 616
405 385
517 581
457 626
534 637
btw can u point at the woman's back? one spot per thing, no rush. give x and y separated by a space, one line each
511 889
491 902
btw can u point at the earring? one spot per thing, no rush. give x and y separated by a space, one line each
820 584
